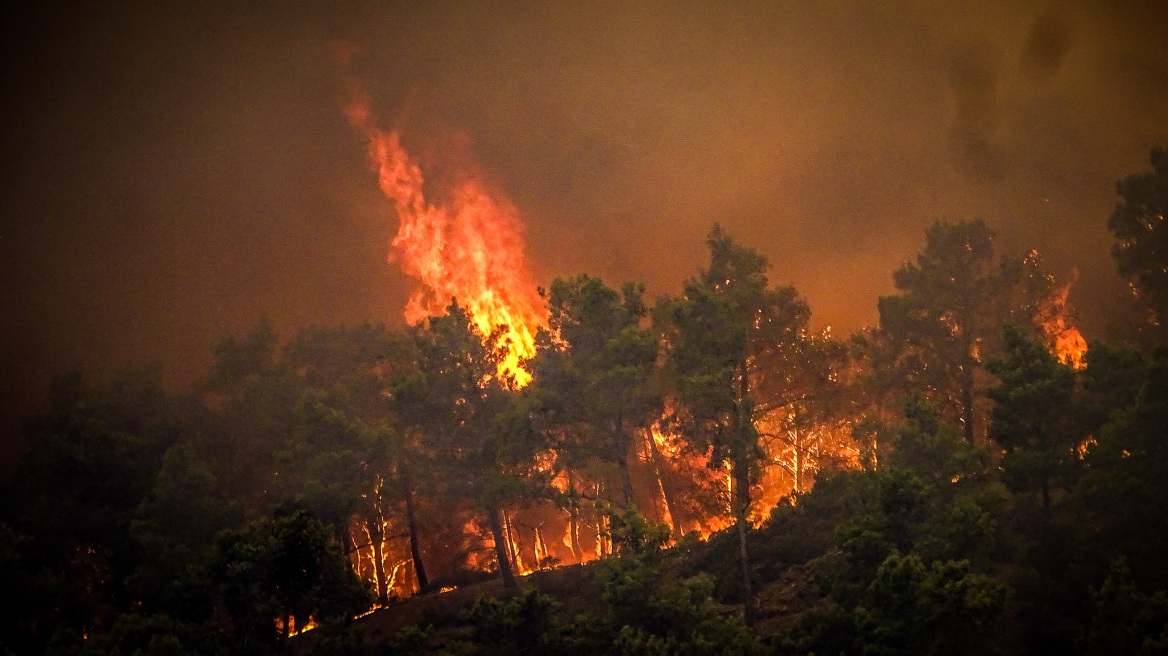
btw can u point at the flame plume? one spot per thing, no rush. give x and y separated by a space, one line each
469 248
1063 339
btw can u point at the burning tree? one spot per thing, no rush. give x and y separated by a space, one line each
723 328
288 567
347 458
946 319
594 372
472 422
806 406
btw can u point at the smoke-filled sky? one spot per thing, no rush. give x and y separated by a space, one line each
175 171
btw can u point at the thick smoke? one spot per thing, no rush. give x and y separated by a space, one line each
176 170
975 79
1047 43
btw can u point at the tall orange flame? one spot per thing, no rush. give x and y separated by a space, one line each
469 248
1063 339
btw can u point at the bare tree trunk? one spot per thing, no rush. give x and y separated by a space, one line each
601 527
626 480
501 557
373 525
541 549
513 545
574 520
415 547
623 462
346 538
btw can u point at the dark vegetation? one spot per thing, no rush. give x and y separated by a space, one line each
988 497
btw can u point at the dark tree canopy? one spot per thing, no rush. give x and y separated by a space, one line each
1141 234
945 319
841 499
1034 417
722 333
472 423
594 371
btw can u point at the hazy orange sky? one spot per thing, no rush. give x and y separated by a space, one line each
174 171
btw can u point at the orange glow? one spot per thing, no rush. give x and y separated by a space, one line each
463 240
514 550
469 247
1063 339
293 629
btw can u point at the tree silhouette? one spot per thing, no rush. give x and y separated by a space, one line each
1141 234
726 324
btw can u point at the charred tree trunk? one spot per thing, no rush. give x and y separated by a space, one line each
623 462
741 500
626 479
743 452
415 547
344 537
542 553
501 557
376 541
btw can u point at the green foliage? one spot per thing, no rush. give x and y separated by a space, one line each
901 581
476 428
1127 621
1141 236
137 522
731 342
410 640
934 449
145 635
1111 382
907 608
943 322
644 609
1034 417
93 458
285 567
911 608
1122 490
524 623
650 613
175 525
468 419
593 371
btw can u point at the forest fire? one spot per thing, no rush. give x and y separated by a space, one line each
469 248
279 379
462 241
1063 339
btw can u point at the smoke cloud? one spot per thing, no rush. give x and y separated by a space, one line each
174 171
